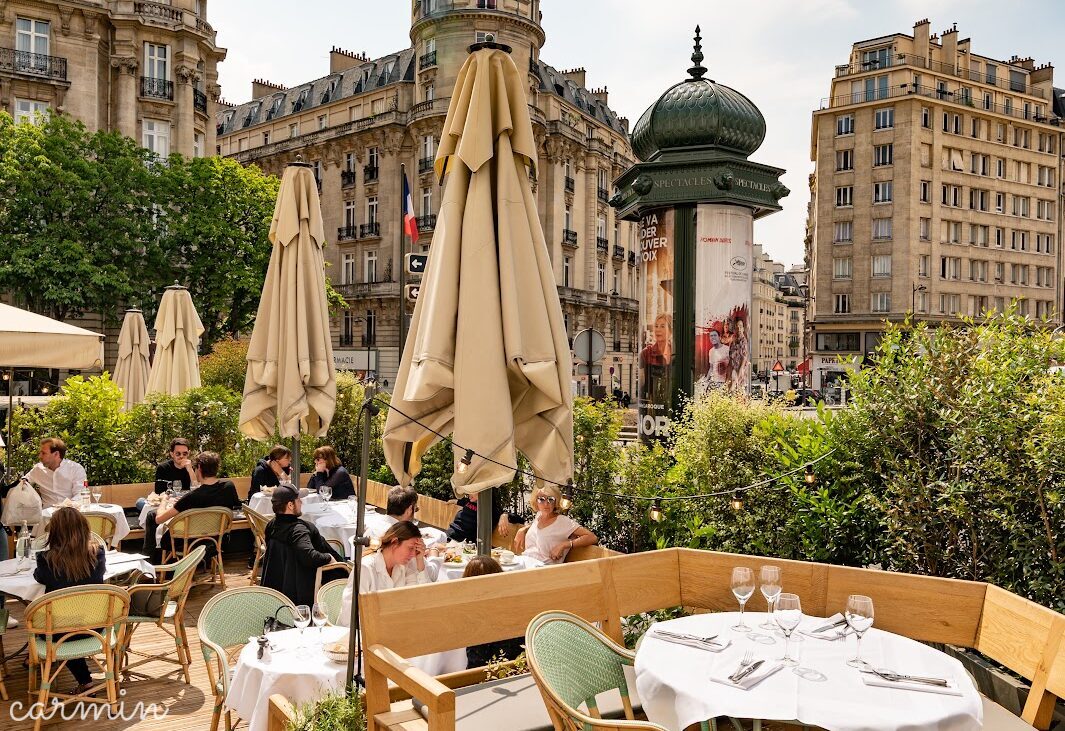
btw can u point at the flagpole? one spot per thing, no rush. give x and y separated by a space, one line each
402 262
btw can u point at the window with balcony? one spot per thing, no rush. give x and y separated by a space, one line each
373 157
349 216
875 87
427 200
32 38
371 209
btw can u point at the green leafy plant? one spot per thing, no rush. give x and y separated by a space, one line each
635 626
226 365
334 712
500 667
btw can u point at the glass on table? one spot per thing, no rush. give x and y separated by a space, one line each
770 586
788 615
742 589
325 492
859 615
319 616
302 617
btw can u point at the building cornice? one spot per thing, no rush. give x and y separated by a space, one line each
472 14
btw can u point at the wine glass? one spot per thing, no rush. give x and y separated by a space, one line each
770 588
859 615
788 614
742 589
319 616
325 492
302 617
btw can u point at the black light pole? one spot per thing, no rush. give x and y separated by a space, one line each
369 410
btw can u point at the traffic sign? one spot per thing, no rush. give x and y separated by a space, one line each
416 263
778 367
582 370
413 290
589 346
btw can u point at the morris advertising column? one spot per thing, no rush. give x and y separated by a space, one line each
696 196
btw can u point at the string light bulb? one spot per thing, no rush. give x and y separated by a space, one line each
810 477
567 499
656 511
736 503
155 413
464 463
44 390
6 375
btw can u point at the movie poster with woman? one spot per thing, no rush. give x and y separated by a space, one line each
656 318
723 266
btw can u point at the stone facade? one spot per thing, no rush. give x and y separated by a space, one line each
937 190
776 315
146 69
367 118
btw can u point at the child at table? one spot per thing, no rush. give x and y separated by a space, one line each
73 558
480 655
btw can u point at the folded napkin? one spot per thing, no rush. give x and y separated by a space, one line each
873 679
708 645
827 634
767 668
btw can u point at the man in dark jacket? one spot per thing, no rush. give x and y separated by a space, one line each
271 468
294 551
464 526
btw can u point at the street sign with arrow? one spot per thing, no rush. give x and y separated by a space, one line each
416 263
413 290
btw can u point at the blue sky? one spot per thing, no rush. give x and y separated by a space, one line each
780 54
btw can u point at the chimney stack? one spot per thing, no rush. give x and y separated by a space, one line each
920 38
341 60
575 75
262 87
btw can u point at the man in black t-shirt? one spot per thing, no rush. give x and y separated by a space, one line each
178 467
212 493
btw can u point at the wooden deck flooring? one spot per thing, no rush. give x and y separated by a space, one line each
180 706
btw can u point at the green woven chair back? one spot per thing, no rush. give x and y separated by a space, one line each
574 659
182 573
230 618
331 596
102 524
201 523
258 523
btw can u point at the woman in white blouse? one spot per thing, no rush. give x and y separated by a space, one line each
401 561
551 535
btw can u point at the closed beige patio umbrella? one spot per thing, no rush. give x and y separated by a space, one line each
178 329
291 382
487 358
131 370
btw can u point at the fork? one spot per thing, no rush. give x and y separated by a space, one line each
748 658
683 636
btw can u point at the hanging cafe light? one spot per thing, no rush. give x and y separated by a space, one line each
656 511
810 477
464 464
567 497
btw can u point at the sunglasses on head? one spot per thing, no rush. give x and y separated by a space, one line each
545 499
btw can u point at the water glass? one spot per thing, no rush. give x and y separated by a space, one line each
859 615
319 616
302 617
325 492
788 614
770 586
742 589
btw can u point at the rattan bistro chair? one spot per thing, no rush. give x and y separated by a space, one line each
78 622
102 524
201 526
173 613
572 663
331 596
258 523
226 622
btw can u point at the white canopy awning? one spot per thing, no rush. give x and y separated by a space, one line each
29 340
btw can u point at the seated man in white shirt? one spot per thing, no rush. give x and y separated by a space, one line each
402 505
56 478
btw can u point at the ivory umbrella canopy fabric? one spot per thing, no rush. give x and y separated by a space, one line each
487 358
291 381
131 370
29 340
178 329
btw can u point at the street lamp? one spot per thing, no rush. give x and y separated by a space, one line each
913 301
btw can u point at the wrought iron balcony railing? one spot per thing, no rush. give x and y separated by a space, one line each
425 165
602 246
943 95
370 231
346 233
907 59
632 258
603 194
369 173
619 252
35 64
427 222
199 100
157 88
571 184
427 60
347 178
569 238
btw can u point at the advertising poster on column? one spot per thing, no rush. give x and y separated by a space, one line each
656 323
723 266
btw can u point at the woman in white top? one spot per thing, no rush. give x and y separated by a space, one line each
551 535
399 562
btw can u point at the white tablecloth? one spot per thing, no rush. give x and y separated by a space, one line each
300 675
673 681
450 572
261 503
16 575
115 511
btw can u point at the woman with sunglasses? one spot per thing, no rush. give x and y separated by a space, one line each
550 535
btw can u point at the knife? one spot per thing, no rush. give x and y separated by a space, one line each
900 677
748 670
827 627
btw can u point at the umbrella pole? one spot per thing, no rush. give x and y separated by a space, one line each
10 420
484 521
354 674
295 476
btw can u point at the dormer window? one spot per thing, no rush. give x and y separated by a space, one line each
275 106
301 100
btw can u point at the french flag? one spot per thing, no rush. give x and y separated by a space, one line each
410 223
